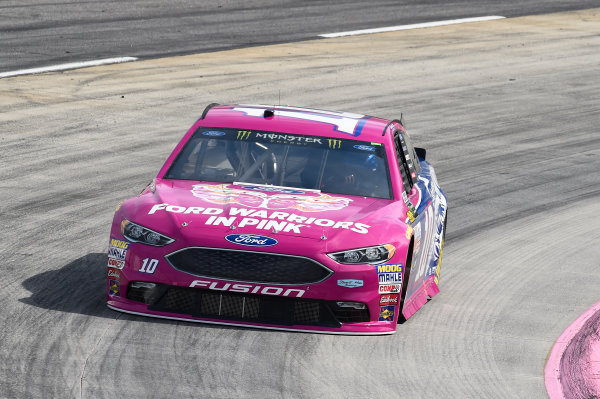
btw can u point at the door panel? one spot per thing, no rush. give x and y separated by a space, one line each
430 205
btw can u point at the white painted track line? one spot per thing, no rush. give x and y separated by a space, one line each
413 26
63 67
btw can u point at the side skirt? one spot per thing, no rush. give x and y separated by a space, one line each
420 297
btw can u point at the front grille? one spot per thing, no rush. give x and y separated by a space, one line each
254 267
265 309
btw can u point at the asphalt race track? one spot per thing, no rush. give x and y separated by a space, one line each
508 111
38 33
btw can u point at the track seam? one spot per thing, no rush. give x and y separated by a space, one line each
91 353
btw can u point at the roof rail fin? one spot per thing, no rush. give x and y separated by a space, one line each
208 107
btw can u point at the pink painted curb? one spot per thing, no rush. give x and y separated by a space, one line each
573 368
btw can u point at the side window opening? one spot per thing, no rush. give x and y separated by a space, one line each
407 160
404 171
411 156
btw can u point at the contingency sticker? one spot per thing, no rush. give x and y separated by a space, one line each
114 274
389 274
116 263
386 313
117 251
389 288
113 287
388 299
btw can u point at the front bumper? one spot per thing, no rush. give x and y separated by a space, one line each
173 294
263 311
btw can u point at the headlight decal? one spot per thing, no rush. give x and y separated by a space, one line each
369 255
137 233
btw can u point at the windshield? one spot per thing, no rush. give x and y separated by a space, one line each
337 166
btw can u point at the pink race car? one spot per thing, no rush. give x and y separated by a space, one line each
283 218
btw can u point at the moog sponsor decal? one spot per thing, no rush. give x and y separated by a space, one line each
390 273
118 249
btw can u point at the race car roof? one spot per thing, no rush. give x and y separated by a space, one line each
287 119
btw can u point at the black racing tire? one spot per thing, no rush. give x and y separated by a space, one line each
405 278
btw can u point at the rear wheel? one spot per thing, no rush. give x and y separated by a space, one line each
439 265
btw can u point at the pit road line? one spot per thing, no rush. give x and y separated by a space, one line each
412 26
64 67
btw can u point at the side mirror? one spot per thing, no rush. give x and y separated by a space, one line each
421 152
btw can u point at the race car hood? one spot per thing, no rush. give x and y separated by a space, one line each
200 209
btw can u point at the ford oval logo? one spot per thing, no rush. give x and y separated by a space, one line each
364 147
213 133
251 240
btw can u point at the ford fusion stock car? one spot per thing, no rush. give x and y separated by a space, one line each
283 218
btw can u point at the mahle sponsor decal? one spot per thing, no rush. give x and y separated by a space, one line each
390 273
247 288
350 283
117 253
251 240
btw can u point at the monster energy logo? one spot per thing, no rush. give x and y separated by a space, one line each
243 134
333 143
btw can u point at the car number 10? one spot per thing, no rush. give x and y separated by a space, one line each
149 266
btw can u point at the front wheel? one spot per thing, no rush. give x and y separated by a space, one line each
405 278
